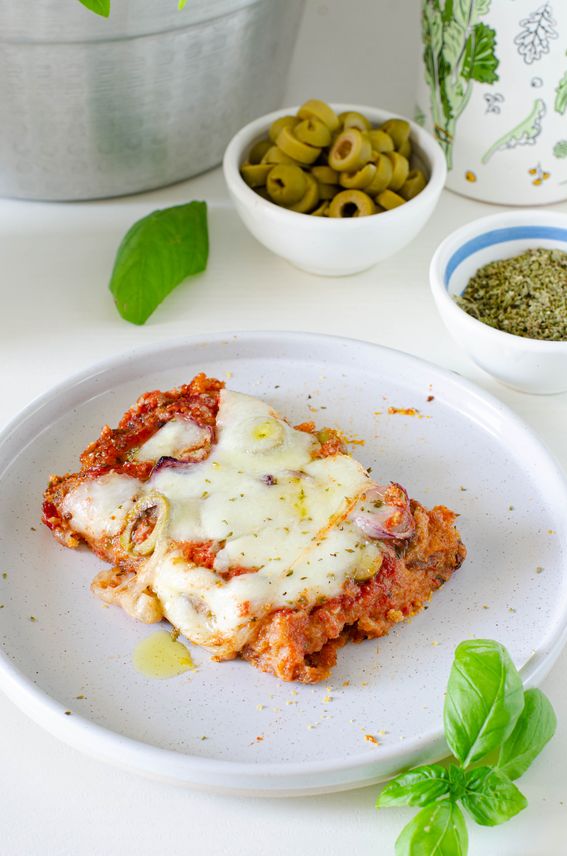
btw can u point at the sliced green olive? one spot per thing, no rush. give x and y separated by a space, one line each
405 149
255 175
309 157
359 179
286 184
153 501
367 567
380 140
258 151
351 203
327 191
400 169
290 145
413 185
350 151
388 200
310 199
275 155
314 132
382 176
319 110
398 129
325 175
321 210
352 119
279 124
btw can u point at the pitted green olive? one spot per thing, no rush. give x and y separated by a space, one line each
413 185
350 151
400 170
398 129
286 184
388 200
255 175
352 119
327 191
381 141
351 203
311 197
314 132
382 176
325 175
359 179
279 124
301 152
275 155
258 151
319 110
405 149
305 160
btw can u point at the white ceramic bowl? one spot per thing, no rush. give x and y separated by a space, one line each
322 245
528 365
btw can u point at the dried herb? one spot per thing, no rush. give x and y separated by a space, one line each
525 295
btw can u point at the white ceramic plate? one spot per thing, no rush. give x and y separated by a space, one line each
464 449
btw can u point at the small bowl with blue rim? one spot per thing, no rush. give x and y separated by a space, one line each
529 365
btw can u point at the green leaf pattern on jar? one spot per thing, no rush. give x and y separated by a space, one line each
459 50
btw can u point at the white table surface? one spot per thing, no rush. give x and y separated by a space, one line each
58 317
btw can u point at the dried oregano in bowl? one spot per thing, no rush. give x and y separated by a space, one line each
525 295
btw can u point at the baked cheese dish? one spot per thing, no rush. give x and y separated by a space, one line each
252 537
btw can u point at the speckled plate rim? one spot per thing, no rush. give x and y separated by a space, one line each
278 779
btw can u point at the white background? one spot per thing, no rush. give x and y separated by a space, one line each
58 317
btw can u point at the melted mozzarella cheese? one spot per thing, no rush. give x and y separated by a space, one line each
175 437
276 511
99 506
254 439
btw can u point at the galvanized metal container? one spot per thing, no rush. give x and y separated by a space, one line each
93 107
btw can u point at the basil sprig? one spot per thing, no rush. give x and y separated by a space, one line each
486 709
156 254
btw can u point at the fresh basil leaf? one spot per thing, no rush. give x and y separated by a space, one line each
155 255
535 727
99 7
484 699
490 797
439 828
420 786
457 782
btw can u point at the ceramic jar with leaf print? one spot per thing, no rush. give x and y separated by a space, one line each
493 91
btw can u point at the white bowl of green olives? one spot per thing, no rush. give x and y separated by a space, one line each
334 189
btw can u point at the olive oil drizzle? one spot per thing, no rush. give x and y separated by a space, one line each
161 656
